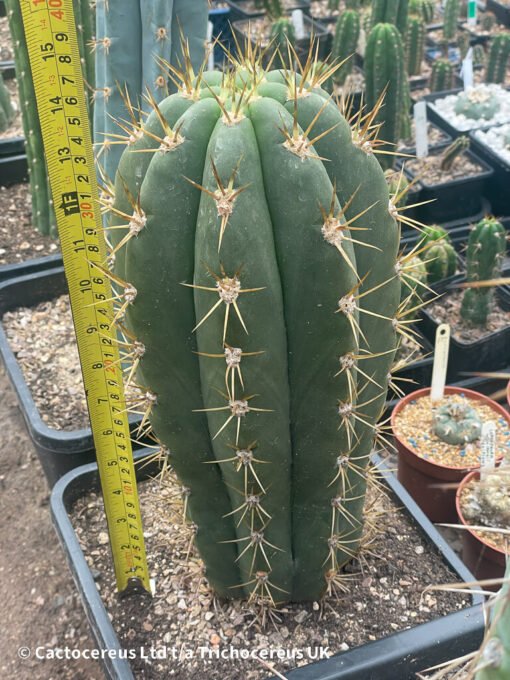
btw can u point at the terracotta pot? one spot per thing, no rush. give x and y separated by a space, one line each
482 558
433 486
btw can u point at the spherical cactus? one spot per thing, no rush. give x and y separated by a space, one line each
415 45
344 44
485 252
413 278
442 75
254 305
477 104
456 423
386 77
440 260
451 19
433 232
497 61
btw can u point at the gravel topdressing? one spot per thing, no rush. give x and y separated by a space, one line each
445 107
413 425
383 594
497 139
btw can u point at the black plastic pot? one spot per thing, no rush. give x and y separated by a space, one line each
3 11
8 70
497 188
491 353
238 11
58 451
502 12
222 30
13 170
457 199
396 657
12 146
34 266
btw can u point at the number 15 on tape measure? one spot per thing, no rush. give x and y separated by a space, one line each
52 44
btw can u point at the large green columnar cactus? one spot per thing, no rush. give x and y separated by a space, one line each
495 654
344 44
497 62
386 76
442 75
260 249
135 42
390 12
415 45
485 253
451 19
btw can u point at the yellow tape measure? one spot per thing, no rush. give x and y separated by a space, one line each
52 42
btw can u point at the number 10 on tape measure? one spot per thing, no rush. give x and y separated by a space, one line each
52 44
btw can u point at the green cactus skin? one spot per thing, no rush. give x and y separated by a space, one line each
463 43
477 104
422 8
344 44
414 278
6 109
479 55
397 186
456 423
282 34
433 232
495 654
487 22
451 19
485 252
497 61
440 260
415 45
390 12
456 149
442 76
132 37
385 70
304 433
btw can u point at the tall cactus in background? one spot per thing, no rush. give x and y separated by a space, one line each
6 108
485 253
344 44
451 19
423 8
442 76
277 390
386 76
43 215
390 12
134 39
497 62
415 45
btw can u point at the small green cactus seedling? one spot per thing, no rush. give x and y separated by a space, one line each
456 423
485 253
487 22
433 232
6 108
442 75
344 44
415 45
454 151
413 278
451 19
497 61
477 103
398 187
440 260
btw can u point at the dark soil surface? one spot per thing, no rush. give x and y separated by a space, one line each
19 240
382 594
40 605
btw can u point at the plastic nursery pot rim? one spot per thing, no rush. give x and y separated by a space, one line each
472 475
486 170
449 389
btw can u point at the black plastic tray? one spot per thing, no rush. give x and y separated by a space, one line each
58 451
501 11
37 264
396 657
13 170
8 70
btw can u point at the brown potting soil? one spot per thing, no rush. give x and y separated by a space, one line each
19 240
430 172
382 594
6 51
413 425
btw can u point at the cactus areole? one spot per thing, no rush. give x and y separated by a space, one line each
258 256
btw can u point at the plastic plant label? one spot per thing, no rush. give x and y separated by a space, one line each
299 24
210 46
362 42
488 448
440 362
472 11
420 126
467 70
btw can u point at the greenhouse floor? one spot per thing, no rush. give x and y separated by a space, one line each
40 605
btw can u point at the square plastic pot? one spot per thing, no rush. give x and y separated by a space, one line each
13 169
502 12
58 451
222 30
490 353
396 657
497 189
239 11
453 200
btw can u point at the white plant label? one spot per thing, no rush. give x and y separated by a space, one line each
362 42
210 46
488 448
472 12
467 70
299 24
440 362
420 127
